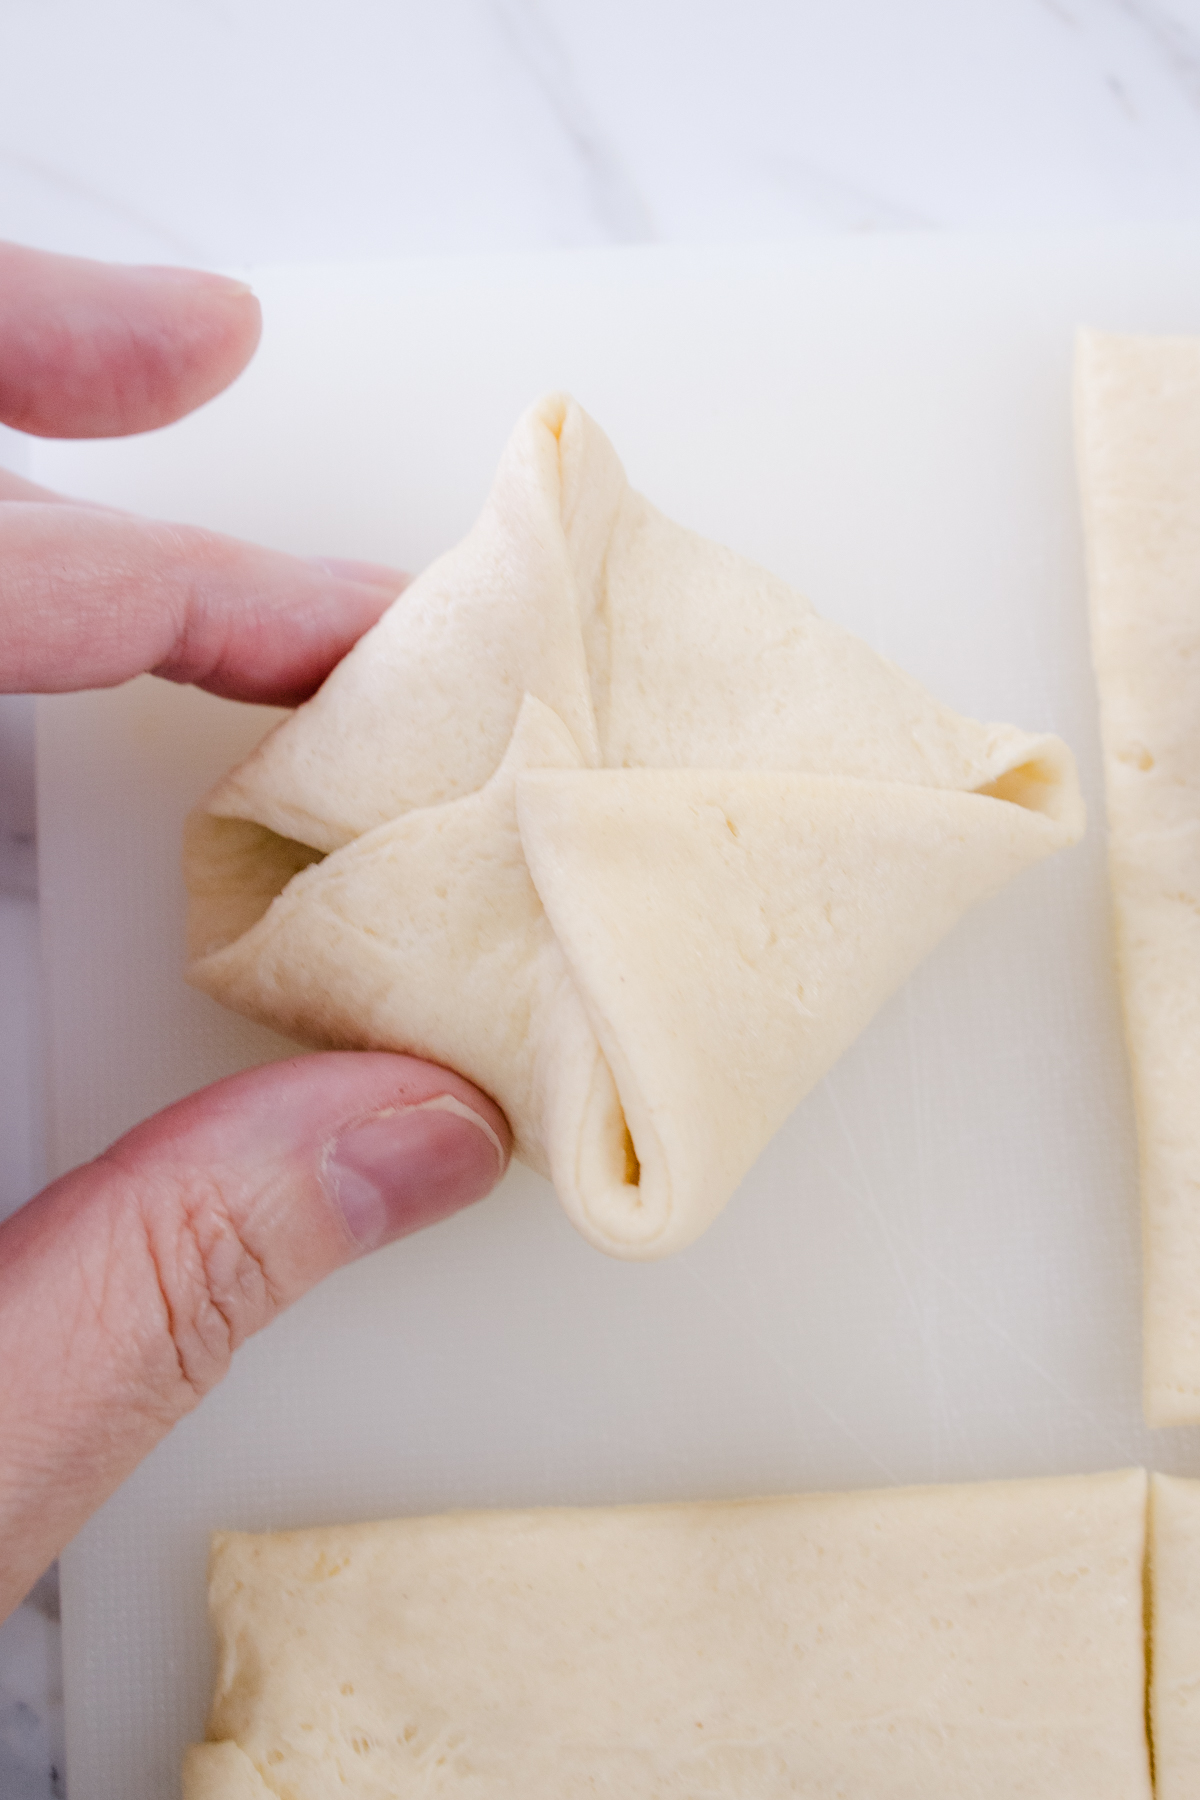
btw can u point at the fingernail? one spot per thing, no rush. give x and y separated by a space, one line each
195 278
401 1170
367 573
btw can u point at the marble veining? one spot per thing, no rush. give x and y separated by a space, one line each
215 134
540 58
65 187
1176 41
31 1725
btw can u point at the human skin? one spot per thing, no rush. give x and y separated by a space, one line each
126 1286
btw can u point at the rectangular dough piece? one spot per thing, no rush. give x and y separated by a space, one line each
1138 417
899 1645
1175 1636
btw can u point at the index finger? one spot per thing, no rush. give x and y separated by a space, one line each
92 349
90 598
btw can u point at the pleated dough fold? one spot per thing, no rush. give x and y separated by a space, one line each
608 820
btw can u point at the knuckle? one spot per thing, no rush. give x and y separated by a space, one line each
214 1289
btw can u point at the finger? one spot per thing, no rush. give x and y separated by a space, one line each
91 349
89 598
15 487
126 1287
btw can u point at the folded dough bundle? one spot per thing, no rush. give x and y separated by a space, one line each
906 1645
610 821
1138 414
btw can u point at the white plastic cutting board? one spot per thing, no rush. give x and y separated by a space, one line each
933 1271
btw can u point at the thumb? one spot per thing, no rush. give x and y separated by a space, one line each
126 1286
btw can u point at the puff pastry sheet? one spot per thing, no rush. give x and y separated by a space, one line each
903 1645
610 821
1138 408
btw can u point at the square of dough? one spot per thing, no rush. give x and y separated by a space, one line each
902 1645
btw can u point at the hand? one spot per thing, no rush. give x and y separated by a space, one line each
126 1286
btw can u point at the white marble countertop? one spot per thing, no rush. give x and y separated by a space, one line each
204 131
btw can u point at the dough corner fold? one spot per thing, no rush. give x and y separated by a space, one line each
902 1645
606 818
774 913
1138 431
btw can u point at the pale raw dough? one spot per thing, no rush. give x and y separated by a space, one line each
1175 1636
222 1772
1139 452
904 1645
614 825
